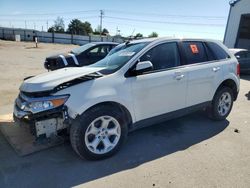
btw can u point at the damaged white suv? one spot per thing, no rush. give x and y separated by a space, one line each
147 82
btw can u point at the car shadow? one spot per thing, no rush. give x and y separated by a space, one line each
61 167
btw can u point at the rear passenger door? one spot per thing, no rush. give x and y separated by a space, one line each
203 72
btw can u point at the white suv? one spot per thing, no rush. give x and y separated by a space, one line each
146 82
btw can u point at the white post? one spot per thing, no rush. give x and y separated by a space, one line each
36 41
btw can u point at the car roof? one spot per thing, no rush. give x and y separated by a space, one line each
236 50
159 39
100 43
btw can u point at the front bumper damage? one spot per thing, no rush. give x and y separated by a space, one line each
43 124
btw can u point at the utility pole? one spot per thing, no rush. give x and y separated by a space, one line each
117 31
101 17
47 25
25 24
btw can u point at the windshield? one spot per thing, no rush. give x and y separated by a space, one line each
115 61
117 48
82 48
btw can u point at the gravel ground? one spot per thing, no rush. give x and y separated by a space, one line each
19 60
192 151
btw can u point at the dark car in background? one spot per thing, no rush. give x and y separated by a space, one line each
243 57
81 56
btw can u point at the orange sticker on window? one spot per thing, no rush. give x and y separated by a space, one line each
194 48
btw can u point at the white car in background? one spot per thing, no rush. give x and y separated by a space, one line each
147 82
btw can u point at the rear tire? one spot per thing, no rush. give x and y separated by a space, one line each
99 132
221 105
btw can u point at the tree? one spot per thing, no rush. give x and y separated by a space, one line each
153 34
51 29
97 30
105 32
87 27
138 35
58 26
79 28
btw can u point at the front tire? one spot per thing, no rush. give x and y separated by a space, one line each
221 105
98 133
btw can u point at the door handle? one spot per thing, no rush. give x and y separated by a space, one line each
179 77
216 69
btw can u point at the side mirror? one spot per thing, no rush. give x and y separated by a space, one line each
143 66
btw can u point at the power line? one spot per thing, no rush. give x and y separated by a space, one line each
165 22
117 12
42 20
155 28
167 15
143 20
51 13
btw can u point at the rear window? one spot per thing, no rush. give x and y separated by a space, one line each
217 51
194 52
242 55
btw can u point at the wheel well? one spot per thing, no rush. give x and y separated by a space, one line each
231 84
124 111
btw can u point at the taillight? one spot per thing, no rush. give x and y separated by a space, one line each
238 69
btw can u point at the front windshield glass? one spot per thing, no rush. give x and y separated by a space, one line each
117 48
82 48
115 61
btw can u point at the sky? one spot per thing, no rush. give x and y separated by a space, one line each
173 18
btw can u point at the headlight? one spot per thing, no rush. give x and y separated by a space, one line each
46 103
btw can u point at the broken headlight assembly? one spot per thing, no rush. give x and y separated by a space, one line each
36 105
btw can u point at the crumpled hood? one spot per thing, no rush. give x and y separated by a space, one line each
49 80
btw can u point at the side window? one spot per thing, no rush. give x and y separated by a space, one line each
241 55
100 50
194 52
218 52
163 56
104 49
94 50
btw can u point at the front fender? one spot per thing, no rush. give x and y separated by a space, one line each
85 95
74 112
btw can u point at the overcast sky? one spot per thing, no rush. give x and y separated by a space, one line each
180 18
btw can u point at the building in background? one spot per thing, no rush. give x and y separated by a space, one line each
237 33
